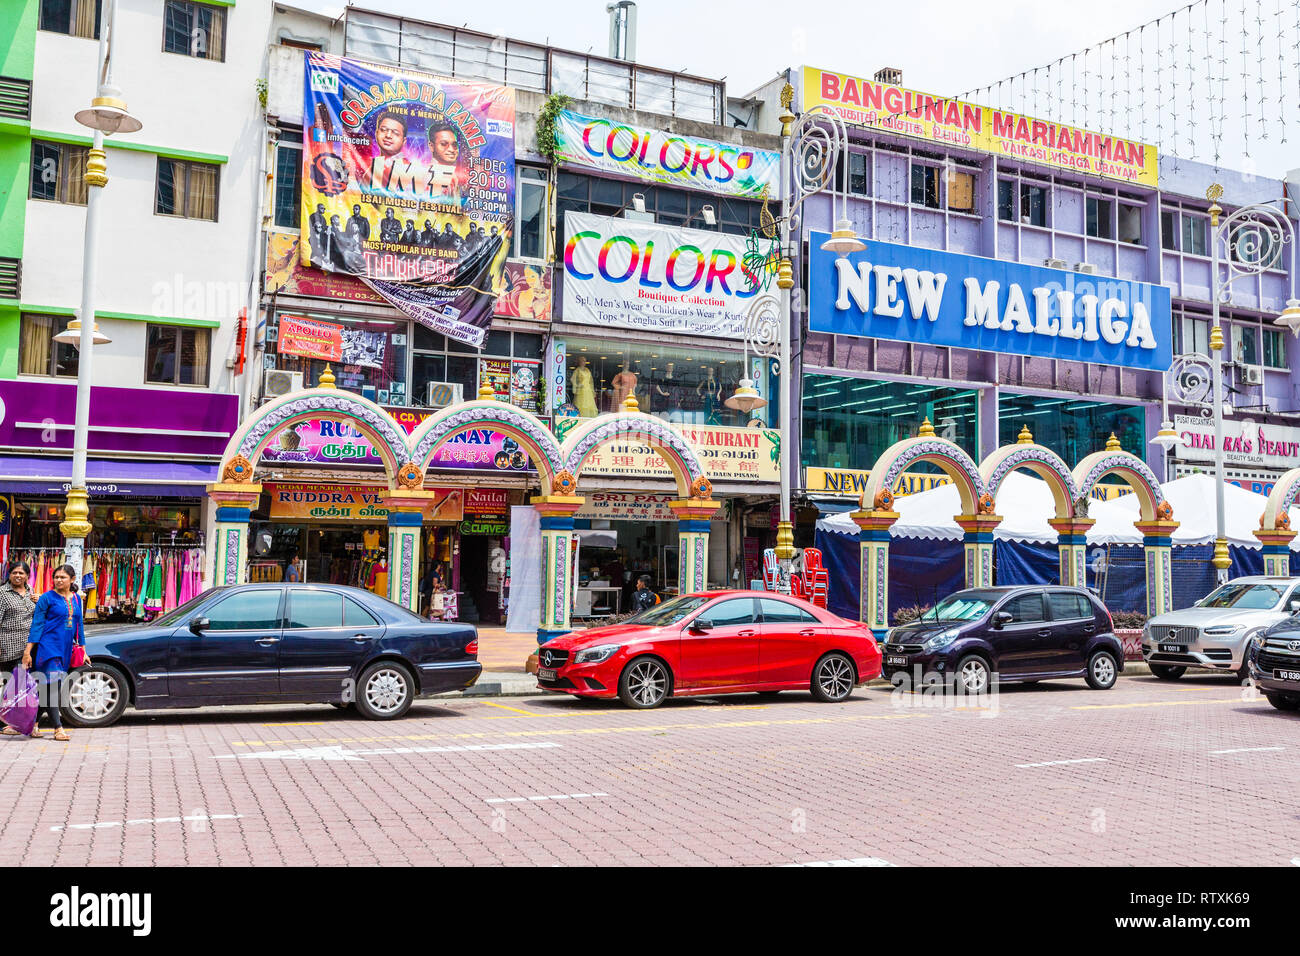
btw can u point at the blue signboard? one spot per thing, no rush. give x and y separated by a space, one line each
910 294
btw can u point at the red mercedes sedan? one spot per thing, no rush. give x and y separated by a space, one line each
719 642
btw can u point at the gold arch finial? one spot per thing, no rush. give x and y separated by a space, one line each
326 378
1214 194
1112 443
630 403
1025 437
927 430
486 392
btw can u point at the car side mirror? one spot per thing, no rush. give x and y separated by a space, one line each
700 627
1002 618
1295 606
197 624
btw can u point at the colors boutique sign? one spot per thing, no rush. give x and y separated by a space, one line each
672 159
893 109
925 296
633 275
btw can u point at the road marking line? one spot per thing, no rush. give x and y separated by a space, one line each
1056 763
337 752
858 861
132 823
553 732
539 798
1243 750
1164 703
517 710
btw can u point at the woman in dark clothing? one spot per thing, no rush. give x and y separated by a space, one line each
16 609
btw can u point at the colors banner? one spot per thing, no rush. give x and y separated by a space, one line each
408 182
634 275
904 112
910 294
363 504
669 158
310 338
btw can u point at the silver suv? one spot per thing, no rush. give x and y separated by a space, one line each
1215 633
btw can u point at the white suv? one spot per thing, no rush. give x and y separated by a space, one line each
1215 633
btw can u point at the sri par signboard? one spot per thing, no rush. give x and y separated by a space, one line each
926 296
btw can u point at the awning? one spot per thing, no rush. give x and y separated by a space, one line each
39 475
835 506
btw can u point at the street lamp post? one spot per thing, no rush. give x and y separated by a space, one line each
811 144
107 115
1254 238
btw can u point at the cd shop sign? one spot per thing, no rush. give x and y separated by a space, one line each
926 296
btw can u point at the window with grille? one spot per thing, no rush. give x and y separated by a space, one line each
186 190
58 172
194 29
288 185
76 18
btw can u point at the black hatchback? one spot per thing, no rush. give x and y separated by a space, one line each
1007 634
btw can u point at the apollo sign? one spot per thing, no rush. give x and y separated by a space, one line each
926 296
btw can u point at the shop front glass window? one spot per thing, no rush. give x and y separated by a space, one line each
849 422
1073 428
373 362
681 384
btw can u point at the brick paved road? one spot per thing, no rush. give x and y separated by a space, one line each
745 780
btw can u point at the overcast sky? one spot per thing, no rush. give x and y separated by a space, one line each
943 46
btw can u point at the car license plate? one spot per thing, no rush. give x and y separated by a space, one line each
1173 648
1286 675
545 673
895 661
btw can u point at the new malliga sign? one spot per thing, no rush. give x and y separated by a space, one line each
907 294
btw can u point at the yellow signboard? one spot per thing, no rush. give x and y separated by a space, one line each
894 109
852 482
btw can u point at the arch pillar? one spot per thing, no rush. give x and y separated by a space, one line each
1072 544
1277 550
235 501
978 539
693 516
556 515
1157 539
873 573
405 521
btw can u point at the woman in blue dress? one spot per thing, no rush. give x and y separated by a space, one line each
56 627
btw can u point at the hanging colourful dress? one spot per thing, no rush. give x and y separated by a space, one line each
169 583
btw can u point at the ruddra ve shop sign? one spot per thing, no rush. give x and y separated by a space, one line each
889 291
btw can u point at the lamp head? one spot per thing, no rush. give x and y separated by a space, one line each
746 398
843 240
108 113
72 335
1290 317
1166 438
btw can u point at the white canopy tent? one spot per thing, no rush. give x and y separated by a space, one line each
1026 505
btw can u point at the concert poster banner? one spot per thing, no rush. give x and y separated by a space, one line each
409 184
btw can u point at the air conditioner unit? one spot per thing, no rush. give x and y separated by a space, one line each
277 382
1087 268
1054 263
1254 375
442 394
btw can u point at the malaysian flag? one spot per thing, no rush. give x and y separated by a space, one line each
6 519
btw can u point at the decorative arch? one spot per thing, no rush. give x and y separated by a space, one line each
676 451
947 455
1039 461
525 428
251 438
1277 510
1135 473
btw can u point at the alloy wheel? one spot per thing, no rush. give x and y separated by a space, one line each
386 690
647 683
835 678
1103 669
974 676
93 696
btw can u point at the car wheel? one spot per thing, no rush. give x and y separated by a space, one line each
1167 671
385 691
1102 671
973 674
832 679
97 695
1283 702
645 683
1243 672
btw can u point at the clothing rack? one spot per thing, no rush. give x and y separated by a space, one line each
138 582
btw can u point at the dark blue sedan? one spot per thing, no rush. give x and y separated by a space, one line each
274 644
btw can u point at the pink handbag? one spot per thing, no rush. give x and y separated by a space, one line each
78 656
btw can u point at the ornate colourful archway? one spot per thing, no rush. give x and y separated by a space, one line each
632 425
877 517
1275 532
1050 467
527 429
1155 515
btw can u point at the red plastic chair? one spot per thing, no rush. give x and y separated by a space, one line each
816 578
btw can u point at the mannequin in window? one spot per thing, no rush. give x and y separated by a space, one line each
584 391
666 394
710 394
624 384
